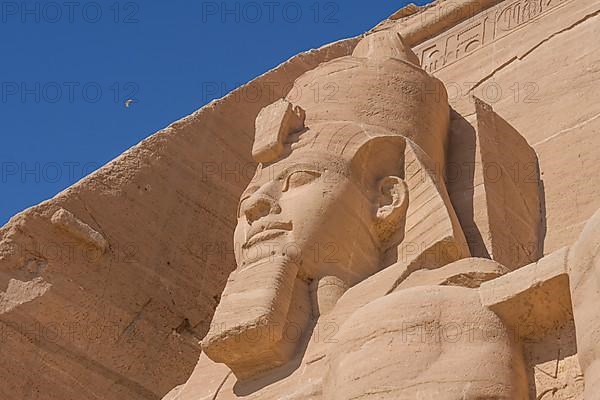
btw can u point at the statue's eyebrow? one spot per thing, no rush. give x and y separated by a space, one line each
300 167
284 173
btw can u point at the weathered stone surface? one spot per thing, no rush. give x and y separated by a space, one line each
126 323
584 273
79 229
514 228
346 182
533 300
538 70
145 244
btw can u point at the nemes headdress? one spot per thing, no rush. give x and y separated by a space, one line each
379 98
380 90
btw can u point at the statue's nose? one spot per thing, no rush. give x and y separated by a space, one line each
259 205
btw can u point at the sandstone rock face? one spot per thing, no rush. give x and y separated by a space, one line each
424 223
536 66
126 323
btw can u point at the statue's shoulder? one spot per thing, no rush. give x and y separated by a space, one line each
422 334
421 305
468 273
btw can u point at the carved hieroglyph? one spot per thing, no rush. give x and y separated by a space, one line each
494 23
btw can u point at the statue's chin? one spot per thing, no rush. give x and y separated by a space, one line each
250 329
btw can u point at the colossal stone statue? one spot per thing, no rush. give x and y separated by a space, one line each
326 303
401 238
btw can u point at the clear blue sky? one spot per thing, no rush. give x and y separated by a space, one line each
68 66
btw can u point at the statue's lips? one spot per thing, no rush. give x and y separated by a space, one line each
265 231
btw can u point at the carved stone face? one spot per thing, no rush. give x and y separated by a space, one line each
328 205
309 216
310 210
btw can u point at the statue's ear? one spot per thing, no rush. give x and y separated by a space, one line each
392 204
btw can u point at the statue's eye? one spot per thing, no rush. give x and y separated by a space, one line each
299 178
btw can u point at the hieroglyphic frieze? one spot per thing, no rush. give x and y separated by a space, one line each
485 28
